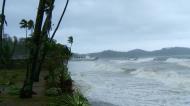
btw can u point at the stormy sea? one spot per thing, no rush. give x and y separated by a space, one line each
137 82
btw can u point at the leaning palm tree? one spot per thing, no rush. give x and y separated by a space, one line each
70 40
59 22
24 24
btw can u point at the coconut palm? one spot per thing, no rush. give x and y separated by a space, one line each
27 25
24 24
2 21
30 25
60 19
26 91
45 30
70 40
44 34
36 49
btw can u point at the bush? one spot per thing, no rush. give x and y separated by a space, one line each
77 99
60 78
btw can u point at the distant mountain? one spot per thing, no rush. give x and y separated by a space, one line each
136 53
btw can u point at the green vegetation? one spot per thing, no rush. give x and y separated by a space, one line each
11 76
36 67
67 100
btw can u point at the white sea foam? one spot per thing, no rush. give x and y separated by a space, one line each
148 85
144 60
182 62
169 78
175 60
138 60
120 61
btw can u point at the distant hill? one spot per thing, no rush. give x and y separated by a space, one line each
136 53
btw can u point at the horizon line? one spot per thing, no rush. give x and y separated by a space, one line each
131 50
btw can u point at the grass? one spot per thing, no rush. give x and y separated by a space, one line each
12 81
12 76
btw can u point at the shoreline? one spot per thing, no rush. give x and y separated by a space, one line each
101 103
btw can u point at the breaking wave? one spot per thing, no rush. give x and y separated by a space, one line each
169 78
181 62
141 82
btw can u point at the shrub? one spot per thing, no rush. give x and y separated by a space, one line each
77 99
60 78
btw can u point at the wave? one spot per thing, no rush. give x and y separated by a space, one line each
139 60
176 60
120 61
144 60
102 80
107 67
181 62
169 78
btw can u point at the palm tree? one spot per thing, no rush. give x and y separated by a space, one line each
44 36
70 40
30 25
36 49
24 24
59 22
27 25
45 30
26 91
2 21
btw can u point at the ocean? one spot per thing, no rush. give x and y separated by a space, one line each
141 82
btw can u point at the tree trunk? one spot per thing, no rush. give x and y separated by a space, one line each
1 29
63 13
44 51
45 31
26 42
26 33
26 91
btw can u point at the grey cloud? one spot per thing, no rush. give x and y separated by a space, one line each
113 24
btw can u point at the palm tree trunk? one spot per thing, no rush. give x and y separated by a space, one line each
71 47
26 33
44 35
2 28
26 41
31 31
26 91
51 39
63 13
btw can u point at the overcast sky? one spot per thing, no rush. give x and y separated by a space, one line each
121 25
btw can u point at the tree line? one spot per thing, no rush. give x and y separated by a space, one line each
38 49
